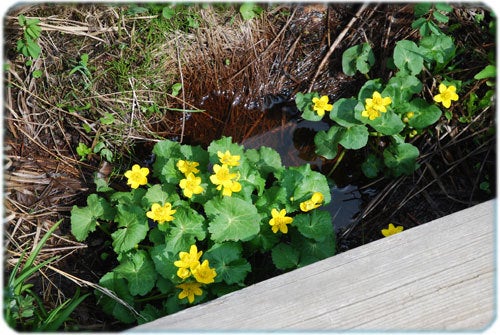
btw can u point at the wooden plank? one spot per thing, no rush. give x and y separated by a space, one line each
437 276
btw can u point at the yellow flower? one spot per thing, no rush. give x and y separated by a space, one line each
189 260
191 185
183 273
391 230
204 274
224 180
321 105
228 159
187 167
446 95
280 221
160 213
370 113
189 290
137 176
315 201
377 102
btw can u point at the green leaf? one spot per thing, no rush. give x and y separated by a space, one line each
354 137
285 256
228 263
371 166
195 153
358 58
421 9
107 119
440 17
387 123
265 239
222 145
111 306
311 251
176 88
84 220
439 48
301 182
343 112
250 10
82 150
305 105
418 23
366 91
326 142
401 158
164 259
444 7
316 225
424 113
133 227
401 88
265 160
139 271
272 197
148 314
168 13
232 219
37 73
157 194
408 57
490 71
188 226
164 151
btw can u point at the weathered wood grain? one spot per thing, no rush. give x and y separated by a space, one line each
437 276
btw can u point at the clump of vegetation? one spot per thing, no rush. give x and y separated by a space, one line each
193 229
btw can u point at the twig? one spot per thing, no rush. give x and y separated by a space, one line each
335 44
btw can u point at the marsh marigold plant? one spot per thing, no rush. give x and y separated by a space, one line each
224 198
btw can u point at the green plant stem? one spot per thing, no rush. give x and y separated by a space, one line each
339 159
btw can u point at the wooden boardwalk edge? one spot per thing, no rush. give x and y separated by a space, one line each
439 276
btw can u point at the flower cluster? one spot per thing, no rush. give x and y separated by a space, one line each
189 265
191 184
223 177
375 105
314 202
137 176
321 105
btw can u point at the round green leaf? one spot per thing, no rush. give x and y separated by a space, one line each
343 112
408 57
401 158
228 263
424 113
232 219
139 271
327 142
316 225
355 137
285 256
